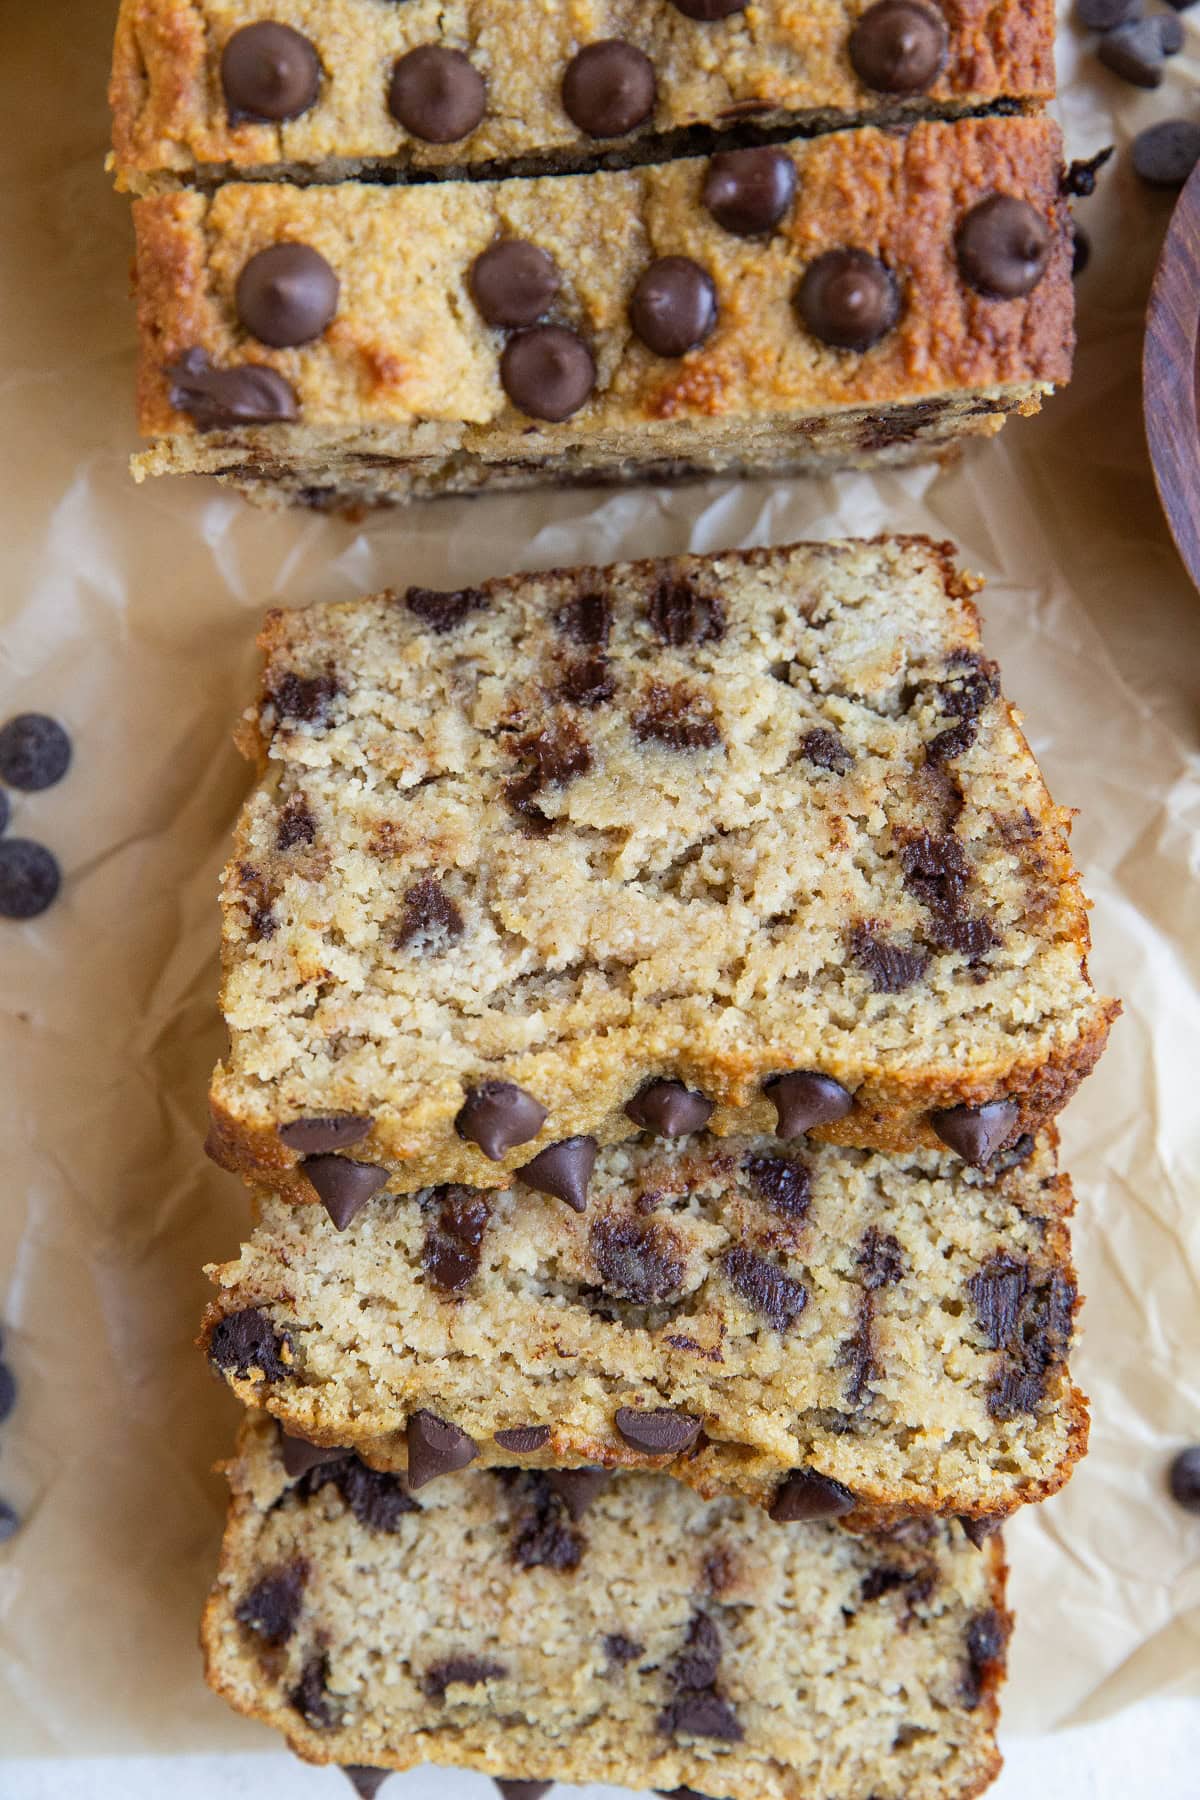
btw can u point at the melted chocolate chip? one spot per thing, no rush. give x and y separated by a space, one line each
609 88
826 750
336 1131
437 94
246 1343
498 1116
311 1697
747 192
848 299
657 1431
954 742
708 10
460 1671
998 1291
307 698
299 1455
343 1186
680 614
30 878
514 283
891 967
435 1447
675 716
880 1258
453 1236
785 1185
806 1495
296 826
588 682
442 612
431 920
524 1440
578 1488
1003 247
35 752
976 1132
701 1715
548 372
635 1261
772 1294
803 1099
673 307
899 47
563 1170
697 1663
1183 1479
552 757
366 1782
217 399
272 1606
620 1649
286 295
587 619
269 72
377 1499
669 1109
544 1539
986 1638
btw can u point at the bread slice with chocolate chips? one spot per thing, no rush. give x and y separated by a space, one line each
826 1332
749 841
629 1633
207 89
862 297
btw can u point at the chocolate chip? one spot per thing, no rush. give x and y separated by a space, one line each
701 1715
522 1790
609 88
620 1649
803 1099
299 1455
783 1183
8 1392
272 1606
826 750
673 306
377 1499
680 614
343 1186
1165 154
311 1697
1137 52
747 192
563 1170
365 1782
638 1262
544 1540
697 1663
286 295
431 920
442 612
552 757
998 1292
1003 247
986 1637
764 1287
333 1131
588 682
453 1236
979 1530
976 1132
10 1522
35 752
296 826
669 1109
899 47
437 94
435 1447
523 1440
1183 1479
269 72
246 1343
892 967
548 372
462 1671
656 1431
217 399
1079 179
578 1488
514 283
1103 15
848 298
498 1115
707 10
588 619
946 745
308 698
29 878
880 1258
806 1495
676 716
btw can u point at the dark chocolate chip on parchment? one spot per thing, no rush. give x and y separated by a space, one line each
30 878
1183 1479
1165 154
1137 51
35 752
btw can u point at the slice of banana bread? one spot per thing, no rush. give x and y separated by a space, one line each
596 850
202 89
858 297
896 1328
632 1634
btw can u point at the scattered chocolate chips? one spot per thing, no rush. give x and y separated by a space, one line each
636 1261
848 299
708 10
272 1606
431 920
286 295
764 1287
30 878
785 1184
377 1499
806 1495
442 612
343 1186
1003 247
578 1488
899 47
435 1447
297 826
891 967
437 94
366 1782
548 372
460 1671
976 1132
987 1636
1138 51
299 1455
544 1539
676 716
499 1115
1165 154
680 614
1183 1479
218 399
458 1219
803 1099
35 752
656 1431
335 1131
246 1343
669 1109
609 88
523 1440
307 698
826 750
747 192
673 307
563 1170
311 1697
620 1649
514 283
268 73
998 1292
522 1790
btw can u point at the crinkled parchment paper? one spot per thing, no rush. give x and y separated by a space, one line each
131 614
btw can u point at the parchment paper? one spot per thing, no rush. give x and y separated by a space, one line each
131 615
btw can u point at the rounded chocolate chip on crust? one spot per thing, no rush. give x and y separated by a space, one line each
848 299
1184 1479
899 47
499 1115
563 1170
437 94
674 306
1003 247
217 399
513 283
336 1131
548 372
29 878
609 88
976 1132
435 1447
35 752
286 295
523 1440
1165 154
669 1109
806 1495
803 1099
269 72
747 192
343 1186
658 1431
299 1455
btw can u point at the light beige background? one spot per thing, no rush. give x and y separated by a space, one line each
132 615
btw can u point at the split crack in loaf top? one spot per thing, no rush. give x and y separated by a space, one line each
520 851
314 92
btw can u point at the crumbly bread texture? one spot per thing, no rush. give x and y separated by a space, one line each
777 62
644 1639
708 818
407 390
897 1326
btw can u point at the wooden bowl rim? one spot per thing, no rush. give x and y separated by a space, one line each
1171 376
